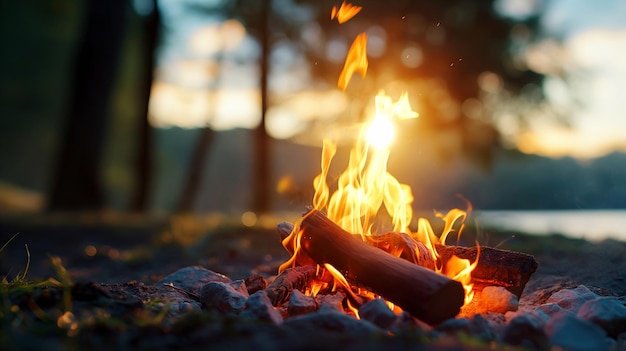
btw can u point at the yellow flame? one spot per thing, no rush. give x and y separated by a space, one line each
345 12
365 190
367 196
320 199
366 186
461 270
356 61
339 278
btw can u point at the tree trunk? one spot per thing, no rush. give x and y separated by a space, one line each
261 139
139 202
196 170
76 183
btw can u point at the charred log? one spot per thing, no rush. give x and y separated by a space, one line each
425 294
299 278
495 267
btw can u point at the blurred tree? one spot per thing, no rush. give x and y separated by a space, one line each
143 168
76 183
195 170
262 23
268 22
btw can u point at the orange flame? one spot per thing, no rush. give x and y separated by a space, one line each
345 12
356 61
368 197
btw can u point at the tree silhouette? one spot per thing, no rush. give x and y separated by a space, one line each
140 198
76 183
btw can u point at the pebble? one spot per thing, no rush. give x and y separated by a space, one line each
259 306
192 278
549 309
526 330
572 299
568 332
377 312
332 321
331 302
607 312
300 304
223 297
498 299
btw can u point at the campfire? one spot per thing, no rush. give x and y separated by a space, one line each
358 237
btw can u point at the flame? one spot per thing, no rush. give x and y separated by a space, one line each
365 186
461 270
367 198
345 12
356 61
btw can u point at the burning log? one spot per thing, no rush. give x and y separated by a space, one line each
496 267
425 294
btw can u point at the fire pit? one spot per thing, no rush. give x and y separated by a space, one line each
358 277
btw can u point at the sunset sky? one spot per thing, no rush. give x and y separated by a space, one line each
595 52
593 57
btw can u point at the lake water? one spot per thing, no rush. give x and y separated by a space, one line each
593 225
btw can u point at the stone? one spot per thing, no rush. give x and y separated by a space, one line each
332 321
181 307
223 297
498 299
454 325
480 327
259 306
526 330
607 312
300 304
192 279
240 286
176 302
549 309
331 302
568 332
572 299
377 312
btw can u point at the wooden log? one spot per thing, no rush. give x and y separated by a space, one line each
404 246
425 294
495 267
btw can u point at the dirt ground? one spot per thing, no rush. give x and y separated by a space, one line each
119 249
107 257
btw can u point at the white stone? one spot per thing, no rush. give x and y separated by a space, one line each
498 299
568 332
223 297
300 303
192 279
377 312
549 309
572 299
526 330
607 312
259 306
